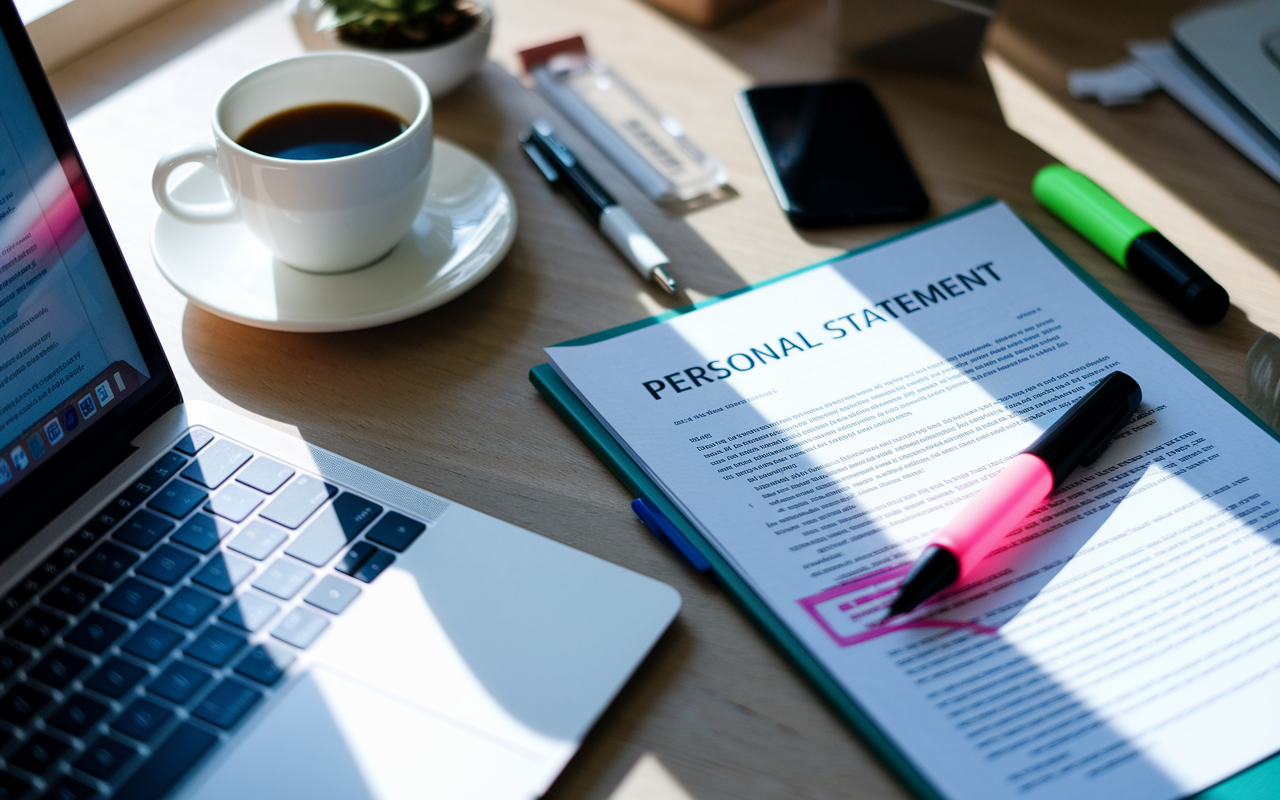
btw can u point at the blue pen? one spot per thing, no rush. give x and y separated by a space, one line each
661 527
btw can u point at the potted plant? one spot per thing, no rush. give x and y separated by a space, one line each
444 41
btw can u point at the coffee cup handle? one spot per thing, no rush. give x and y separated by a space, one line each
189 212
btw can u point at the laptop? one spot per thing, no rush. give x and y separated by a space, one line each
196 606
1236 46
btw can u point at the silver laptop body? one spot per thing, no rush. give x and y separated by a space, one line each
194 605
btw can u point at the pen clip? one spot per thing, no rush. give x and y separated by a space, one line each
544 166
541 135
1080 435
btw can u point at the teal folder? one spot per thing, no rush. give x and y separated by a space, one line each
1260 782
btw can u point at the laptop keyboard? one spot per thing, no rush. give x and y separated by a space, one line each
152 633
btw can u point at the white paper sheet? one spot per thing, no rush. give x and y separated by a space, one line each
1124 642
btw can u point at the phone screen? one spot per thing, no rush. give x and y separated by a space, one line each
831 154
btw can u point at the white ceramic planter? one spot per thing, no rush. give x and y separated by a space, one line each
444 67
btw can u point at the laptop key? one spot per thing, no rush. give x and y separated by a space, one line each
45 573
178 499
227 703
202 532
283 578
36 627
258 539
165 468
21 703
108 562
39 754
332 594
217 463
96 633
153 642
78 715
224 572
73 594
12 788
179 682
250 612
118 508
142 720
167 565
396 531
28 587
143 530
354 558
73 547
194 441
216 646
321 540
129 499
234 502
59 669
10 659
115 678
300 628
189 607
168 764
11 603
265 663
104 758
374 567
21 593
298 501
68 788
355 512
265 475
132 598
104 521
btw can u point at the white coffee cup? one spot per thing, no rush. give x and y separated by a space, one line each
326 215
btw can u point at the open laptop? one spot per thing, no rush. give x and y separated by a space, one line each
194 606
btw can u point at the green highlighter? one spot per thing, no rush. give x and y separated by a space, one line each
1131 242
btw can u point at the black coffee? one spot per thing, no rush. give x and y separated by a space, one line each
327 130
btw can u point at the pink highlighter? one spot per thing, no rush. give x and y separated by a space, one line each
1078 437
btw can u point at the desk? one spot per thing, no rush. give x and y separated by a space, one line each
442 401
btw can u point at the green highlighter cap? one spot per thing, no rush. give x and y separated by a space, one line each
1086 206
1131 242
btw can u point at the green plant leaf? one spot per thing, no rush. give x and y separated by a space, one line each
408 22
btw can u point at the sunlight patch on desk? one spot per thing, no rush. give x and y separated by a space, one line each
648 779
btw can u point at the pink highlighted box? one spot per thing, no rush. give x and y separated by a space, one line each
850 612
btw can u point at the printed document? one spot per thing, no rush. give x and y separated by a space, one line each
1123 642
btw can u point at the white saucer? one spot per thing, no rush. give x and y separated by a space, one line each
465 227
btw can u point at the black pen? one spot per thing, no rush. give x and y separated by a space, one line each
560 167
1078 437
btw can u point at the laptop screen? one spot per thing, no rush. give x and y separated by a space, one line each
68 355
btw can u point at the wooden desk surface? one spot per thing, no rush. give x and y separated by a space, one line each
442 401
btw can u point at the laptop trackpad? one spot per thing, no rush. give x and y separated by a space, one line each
330 736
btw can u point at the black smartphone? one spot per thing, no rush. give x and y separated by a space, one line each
831 154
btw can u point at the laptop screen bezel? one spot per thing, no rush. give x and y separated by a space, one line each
56 483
